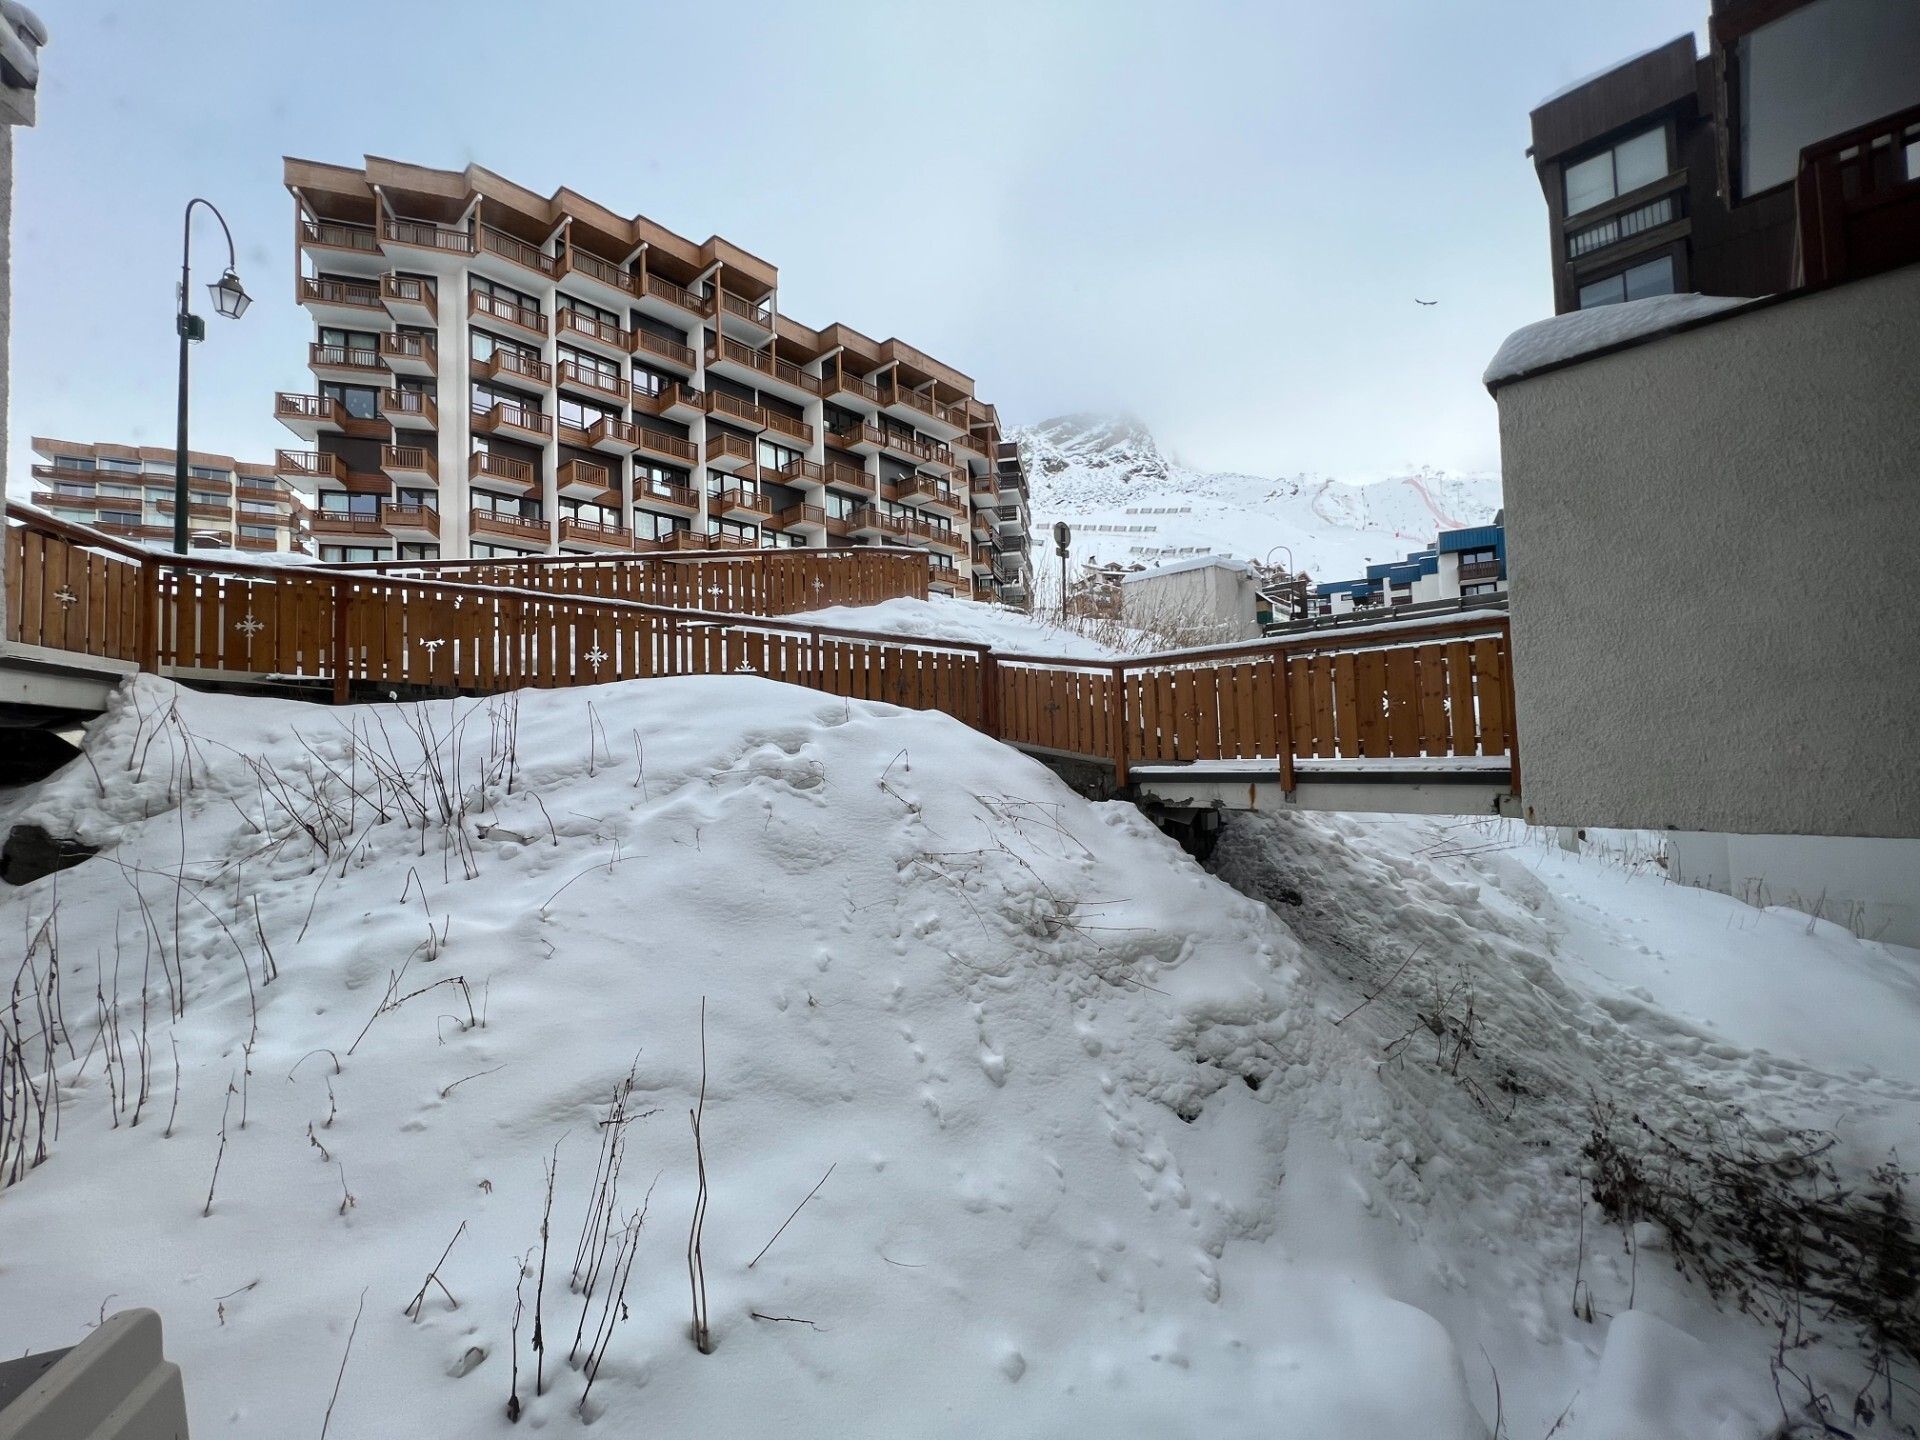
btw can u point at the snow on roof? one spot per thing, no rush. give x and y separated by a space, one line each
1581 332
1199 562
1585 80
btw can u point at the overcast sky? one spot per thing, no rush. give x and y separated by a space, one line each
1215 217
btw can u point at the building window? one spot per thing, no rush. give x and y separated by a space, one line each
346 502
128 518
649 526
360 401
1637 282
1487 556
73 462
124 467
419 552
1617 170
259 532
363 553
1485 587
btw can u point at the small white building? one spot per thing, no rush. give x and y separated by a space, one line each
1211 599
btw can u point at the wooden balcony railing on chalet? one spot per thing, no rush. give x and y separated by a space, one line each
355 293
426 236
409 290
591 327
661 348
334 235
410 460
592 532
516 528
576 261
765 362
663 445
510 247
517 364
410 517
1858 200
663 495
1479 570
343 357
309 465
588 377
404 347
413 409
1431 691
501 470
758 312
839 382
746 501
505 416
867 433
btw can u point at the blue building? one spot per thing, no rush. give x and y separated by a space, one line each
1460 563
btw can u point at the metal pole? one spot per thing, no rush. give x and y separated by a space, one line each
183 322
1063 587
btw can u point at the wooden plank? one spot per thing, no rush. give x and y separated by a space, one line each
1323 703
1490 683
1432 660
1346 697
1370 690
1206 712
1403 703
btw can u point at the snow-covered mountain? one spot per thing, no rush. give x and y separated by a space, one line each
1128 502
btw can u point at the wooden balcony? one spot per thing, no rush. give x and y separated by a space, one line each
196 509
421 235
512 367
308 467
411 355
516 252
512 422
971 444
1858 200
341 525
582 480
659 496
613 436
410 522
1480 571
843 387
410 409
410 299
729 452
256 542
594 333
337 243
745 505
659 445
311 416
354 305
531 534
786 425
846 479
985 490
800 472
672 402
505 312
410 464
597 384
660 288
502 471
664 351
751 318
808 520
619 284
869 523
982 559
741 412
923 407
350 365
760 365
595 534
866 438
923 491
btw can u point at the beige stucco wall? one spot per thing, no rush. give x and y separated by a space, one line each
1715 544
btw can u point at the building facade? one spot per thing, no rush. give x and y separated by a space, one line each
1461 564
128 490
1213 600
1676 172
499 373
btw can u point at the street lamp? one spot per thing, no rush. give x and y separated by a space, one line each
229 299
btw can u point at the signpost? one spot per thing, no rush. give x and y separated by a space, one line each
1062 538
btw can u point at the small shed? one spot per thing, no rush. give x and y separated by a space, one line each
1208 600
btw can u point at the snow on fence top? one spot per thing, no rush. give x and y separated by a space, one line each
1582 332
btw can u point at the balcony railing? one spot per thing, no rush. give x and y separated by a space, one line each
748 500
344 522
582 475
1479 570
731 447
595 532
846 477
745 411
503 469
592 266
479 302
410 517
410 460
760 312
337 236
309 465
661 492
1858 200
766 363
659 442
426 236
410 407
342 357
663 289
864 433
590 378
503 415
1620 227
510 527
787 425
801 472
841 381
397 346
507 361
573 322
794 516
402 290
663 349
321 409
508 247
315 291
868 517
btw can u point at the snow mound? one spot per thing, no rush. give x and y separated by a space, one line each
968 622
1581 332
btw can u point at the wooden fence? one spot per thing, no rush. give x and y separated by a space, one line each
1432 690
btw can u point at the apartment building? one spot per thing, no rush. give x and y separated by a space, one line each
128 490
497 373
1676 172
1460 564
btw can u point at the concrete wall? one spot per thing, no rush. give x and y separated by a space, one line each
1217 602
1870 886
1714 537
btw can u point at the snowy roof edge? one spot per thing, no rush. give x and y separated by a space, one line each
1198 562
1562 340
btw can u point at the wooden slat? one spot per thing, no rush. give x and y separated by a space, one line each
1403 703
1370 684
1328 717
1490 684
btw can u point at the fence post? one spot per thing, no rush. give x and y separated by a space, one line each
989 695
1117 719
150 616
1513 710
341 592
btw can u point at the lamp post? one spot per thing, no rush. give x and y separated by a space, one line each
231 300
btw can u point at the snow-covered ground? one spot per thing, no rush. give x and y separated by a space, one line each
1112 1150
971 622
1129 503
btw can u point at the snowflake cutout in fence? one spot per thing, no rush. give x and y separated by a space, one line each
716 590
65 596
431 646
596 657
818 586
745 668
251 626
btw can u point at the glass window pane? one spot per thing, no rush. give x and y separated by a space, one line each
1655 277
1640 161
1610 291
1589 183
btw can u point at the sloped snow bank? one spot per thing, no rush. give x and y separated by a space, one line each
1060 1074
1112 1150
